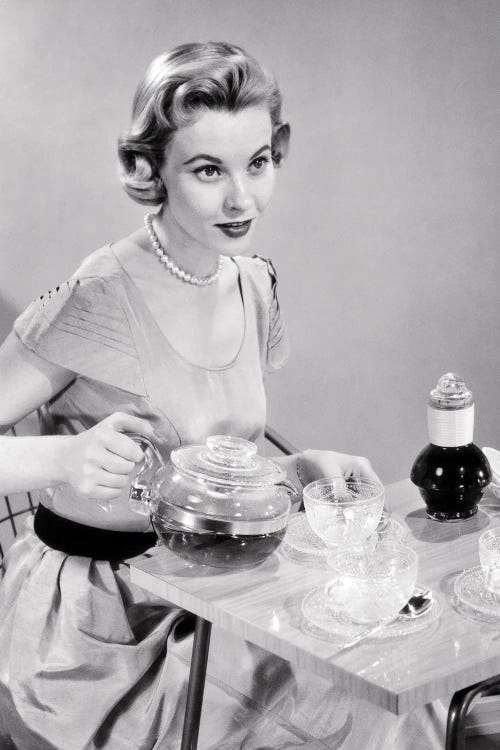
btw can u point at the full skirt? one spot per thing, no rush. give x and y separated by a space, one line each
88 661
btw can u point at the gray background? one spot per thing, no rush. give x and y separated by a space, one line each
385 221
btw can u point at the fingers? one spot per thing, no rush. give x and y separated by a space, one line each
316 464
371 474
100 461
362 469
97 484
110 480
105 494
116 462
112 429
121 422
122 446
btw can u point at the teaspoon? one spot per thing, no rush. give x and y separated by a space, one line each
415 607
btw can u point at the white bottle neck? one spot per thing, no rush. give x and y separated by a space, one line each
450 428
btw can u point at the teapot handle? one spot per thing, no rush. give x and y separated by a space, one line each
141 493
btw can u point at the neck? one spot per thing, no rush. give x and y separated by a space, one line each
188 254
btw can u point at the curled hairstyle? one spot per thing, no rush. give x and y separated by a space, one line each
177 86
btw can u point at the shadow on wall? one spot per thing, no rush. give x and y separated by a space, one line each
8 314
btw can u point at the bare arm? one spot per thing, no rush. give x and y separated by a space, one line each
95 463
26 382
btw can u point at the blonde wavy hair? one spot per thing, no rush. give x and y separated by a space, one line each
176 86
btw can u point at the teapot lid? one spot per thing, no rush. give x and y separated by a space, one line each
225 488
228 461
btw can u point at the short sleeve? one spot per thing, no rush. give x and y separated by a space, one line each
82 326
277 347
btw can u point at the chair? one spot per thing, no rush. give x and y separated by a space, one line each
276 439
14 509
460 706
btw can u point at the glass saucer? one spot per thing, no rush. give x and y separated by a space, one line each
327 623
302 544
470 589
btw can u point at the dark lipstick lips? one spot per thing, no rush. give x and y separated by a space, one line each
235 228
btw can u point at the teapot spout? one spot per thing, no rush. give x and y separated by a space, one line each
289 486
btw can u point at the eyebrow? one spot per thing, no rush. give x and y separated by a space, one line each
216 160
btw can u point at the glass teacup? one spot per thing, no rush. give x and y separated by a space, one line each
343 511
489 557
371 588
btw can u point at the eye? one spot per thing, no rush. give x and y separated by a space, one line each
208 173
259 164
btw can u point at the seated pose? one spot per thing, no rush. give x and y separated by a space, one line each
168 332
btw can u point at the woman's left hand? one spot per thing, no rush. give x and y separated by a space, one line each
315 464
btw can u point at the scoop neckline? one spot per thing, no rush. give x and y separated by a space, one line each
137 292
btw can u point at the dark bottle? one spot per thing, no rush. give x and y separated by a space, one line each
451 472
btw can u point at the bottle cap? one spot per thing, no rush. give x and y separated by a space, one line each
450 393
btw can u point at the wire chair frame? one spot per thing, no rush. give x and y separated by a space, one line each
277 439
13 512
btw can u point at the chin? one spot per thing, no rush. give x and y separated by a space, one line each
232 247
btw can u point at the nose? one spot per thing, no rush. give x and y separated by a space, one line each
238 197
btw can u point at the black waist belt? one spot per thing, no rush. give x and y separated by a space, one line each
78 539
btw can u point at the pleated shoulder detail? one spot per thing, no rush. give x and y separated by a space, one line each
83 326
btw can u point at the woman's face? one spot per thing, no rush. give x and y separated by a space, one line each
219 177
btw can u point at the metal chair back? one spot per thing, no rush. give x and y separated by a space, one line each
14 509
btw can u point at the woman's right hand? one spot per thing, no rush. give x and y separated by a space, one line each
97 463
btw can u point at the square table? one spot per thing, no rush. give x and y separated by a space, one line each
263 605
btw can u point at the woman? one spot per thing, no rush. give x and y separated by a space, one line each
168 332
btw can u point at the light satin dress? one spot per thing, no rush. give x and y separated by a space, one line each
89 661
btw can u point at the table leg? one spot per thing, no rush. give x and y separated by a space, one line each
196 685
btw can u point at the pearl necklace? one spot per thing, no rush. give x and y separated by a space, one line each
173 267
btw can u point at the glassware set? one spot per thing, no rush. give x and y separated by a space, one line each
478 588
223 505
372 573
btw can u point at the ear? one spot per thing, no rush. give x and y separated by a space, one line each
280 144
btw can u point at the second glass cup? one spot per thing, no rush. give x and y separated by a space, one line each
489 557
371 589
343 511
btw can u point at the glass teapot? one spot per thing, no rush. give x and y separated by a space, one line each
219 504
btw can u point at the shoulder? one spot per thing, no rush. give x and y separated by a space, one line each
84 311
90 290
109 262
100 264
83 324
255 264
264 280
261 273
